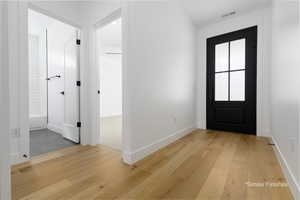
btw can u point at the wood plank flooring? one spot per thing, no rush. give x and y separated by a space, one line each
205 165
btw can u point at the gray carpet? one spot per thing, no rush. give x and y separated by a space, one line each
44 141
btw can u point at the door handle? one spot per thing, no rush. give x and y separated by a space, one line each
62 93
98 91
51 77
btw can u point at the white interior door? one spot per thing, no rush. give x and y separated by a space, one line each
72 91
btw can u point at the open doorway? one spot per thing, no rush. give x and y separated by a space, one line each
109 48
53 84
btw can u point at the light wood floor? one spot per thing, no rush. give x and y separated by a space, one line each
203 165
111 131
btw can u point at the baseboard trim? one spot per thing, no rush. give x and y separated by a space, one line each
291 179
16 158
37 122
132 157
38 129
55 128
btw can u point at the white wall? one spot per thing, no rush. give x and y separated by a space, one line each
37 25
5 185
34 76
37 81
158 72
110 68
110 84
18 83
261 18
285 83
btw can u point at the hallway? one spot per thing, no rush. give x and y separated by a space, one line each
203 165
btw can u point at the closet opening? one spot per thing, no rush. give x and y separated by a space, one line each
109 56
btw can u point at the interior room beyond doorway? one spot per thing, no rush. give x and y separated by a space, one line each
110 81
53 74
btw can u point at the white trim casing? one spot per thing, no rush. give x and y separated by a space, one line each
84 90
126 129
5 183
19 84
24 81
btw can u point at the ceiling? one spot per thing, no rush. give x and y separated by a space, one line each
204 12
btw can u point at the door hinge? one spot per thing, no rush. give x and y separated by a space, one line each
78 42
78 124
78 83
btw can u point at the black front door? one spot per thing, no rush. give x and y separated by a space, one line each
231 81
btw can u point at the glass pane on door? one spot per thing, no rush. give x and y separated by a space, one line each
221 86
237 86
237 54
222 56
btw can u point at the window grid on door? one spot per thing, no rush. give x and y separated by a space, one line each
230 69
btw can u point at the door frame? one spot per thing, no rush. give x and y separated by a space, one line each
26 141
210 82
117 14
76 43
260 19
5 172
